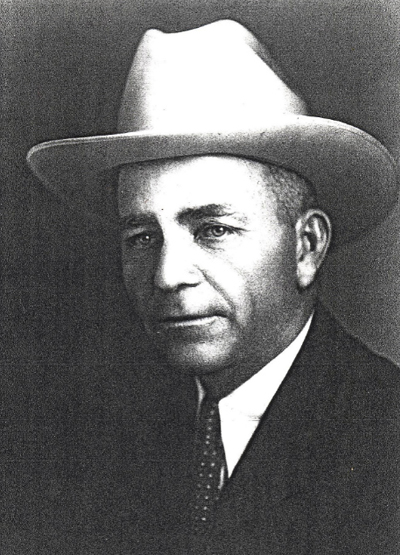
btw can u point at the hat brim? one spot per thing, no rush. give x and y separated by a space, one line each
354 175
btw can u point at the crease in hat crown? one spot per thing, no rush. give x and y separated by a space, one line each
216 90
214 77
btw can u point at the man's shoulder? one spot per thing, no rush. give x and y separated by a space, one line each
350 366
338 343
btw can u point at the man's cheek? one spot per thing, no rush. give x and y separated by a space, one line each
137 286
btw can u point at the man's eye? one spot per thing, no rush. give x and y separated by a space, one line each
214 231
140 240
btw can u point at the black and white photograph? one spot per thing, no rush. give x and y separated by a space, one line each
200 277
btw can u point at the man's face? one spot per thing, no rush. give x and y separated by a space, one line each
211 268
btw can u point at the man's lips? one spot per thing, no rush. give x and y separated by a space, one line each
187 320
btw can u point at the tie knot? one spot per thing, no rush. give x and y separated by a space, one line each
208 416
211 403
210 395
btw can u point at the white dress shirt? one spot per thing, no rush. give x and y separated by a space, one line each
241 411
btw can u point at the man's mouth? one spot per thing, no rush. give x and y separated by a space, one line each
187 321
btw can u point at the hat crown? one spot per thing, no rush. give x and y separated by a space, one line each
216 76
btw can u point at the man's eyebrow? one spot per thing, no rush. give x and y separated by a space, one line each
209 211
136 220
196 213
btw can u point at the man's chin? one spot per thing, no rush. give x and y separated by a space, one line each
196 361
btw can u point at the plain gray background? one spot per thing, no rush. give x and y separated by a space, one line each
64 64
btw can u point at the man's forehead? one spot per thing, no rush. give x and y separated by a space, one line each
211 179
191 182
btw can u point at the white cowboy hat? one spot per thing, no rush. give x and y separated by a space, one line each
215 90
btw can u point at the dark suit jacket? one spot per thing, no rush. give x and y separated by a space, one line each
321 474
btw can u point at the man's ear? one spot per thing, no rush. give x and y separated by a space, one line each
313 233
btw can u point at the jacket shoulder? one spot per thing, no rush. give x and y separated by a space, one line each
371 379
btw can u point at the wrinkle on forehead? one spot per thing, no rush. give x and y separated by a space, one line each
194 182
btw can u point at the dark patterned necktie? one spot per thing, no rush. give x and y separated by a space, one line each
209 465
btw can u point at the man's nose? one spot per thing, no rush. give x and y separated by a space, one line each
176 267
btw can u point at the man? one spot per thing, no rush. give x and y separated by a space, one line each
269 430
